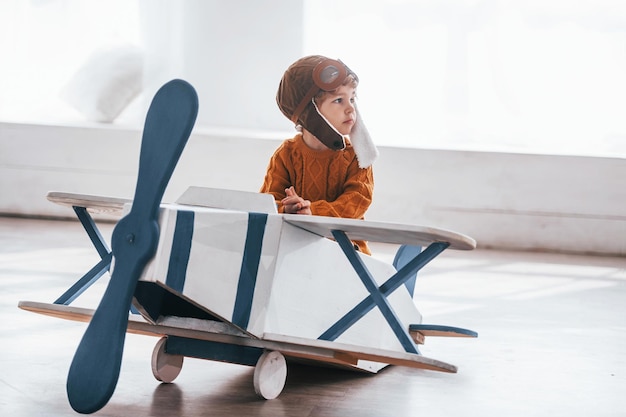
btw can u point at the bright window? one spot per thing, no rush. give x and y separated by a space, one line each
530 76
44 42
543 76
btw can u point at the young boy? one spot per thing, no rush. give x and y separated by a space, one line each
326 169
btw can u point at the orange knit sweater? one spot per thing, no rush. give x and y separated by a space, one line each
331 180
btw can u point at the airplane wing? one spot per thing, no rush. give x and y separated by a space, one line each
383 232
320 351
94 203
374 231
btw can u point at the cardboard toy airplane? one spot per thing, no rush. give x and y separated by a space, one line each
220 275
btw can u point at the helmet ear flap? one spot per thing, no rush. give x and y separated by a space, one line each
321 128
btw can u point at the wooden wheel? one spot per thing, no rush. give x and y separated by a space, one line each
165 367
270 375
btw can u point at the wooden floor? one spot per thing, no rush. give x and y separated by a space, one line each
552 342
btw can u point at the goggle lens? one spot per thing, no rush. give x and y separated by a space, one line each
329 75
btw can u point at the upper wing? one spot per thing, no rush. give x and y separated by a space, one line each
383 232
94 203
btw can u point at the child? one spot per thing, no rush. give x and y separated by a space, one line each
326 169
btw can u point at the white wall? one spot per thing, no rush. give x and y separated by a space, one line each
521 201
512 201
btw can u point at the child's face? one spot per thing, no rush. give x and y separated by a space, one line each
338 108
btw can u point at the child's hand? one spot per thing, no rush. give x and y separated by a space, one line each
294 204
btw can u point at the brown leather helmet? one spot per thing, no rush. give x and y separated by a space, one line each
299 85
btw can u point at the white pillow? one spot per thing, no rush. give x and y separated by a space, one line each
106 83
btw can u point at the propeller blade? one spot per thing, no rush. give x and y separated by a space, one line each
96 365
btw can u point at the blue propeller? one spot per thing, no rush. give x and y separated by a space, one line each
96 365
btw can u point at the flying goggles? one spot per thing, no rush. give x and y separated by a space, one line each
328 75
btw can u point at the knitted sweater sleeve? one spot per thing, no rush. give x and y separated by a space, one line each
355 198
277 177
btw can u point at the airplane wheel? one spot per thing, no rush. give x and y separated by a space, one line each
270 375
165 367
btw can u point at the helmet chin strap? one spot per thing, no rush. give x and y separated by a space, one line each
328 123
364 147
